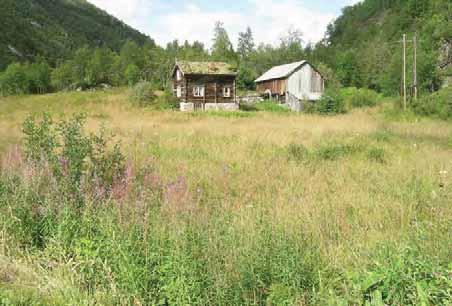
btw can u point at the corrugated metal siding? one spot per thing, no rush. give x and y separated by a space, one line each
306 84
299 83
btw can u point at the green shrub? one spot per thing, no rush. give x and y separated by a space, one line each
14 80
362 98
143 94
438 104
165 100
403 276
132 74
271 106
331 103
74 159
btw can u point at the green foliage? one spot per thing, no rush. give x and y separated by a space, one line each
39 76
331 103
363 44
246 77
271 106
132 74
404 276
437 104
72 157
222 49
143 93
48 29
62 77
245 44
359 97
14 80
165 100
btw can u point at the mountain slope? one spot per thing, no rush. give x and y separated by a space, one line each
364 44
55 28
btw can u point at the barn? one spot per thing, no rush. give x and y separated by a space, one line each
292 84
205 86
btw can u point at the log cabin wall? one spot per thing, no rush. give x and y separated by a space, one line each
181 83
213 88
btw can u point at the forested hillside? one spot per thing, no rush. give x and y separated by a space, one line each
54 29
75 45
364 47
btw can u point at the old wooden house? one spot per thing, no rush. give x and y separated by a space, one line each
292 84
205 86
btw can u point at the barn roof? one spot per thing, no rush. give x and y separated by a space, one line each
208 68
280 72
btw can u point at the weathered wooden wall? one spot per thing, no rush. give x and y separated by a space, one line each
276 87
305 84
213 88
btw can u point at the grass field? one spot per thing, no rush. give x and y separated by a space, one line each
246 208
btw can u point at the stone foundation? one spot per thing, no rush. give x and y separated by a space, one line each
221 106
190 107
187 107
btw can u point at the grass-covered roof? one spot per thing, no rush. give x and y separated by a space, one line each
210 68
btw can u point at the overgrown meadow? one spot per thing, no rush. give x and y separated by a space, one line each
106 203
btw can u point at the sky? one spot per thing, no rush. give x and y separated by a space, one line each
167 20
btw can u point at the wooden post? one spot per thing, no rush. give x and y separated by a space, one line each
404 72
415 67
216 94
186 90
235 92
204 98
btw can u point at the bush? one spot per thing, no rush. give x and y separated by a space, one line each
271 106
132 74
143 94
438 104
14 80
331 103
77 162
364 98
165 100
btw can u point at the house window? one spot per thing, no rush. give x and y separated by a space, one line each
198 91
178 75
227 92
179 91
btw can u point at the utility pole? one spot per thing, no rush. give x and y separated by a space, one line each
415 67
404 72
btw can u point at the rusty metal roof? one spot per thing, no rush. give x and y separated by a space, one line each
208 68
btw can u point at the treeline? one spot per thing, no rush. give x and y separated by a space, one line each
93 67
361 49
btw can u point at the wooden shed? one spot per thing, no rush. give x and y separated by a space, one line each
205 85
292 83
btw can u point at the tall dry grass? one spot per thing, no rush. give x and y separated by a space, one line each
342 187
